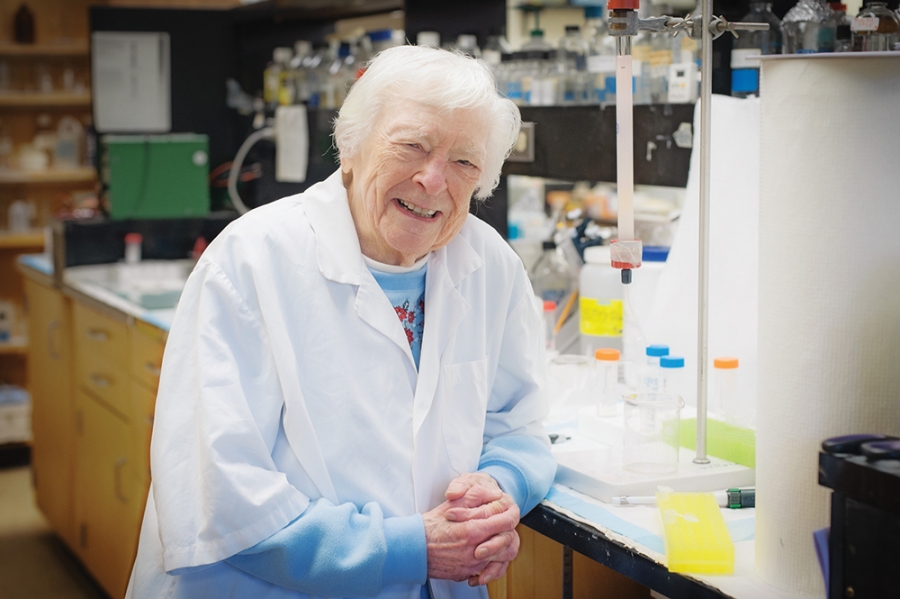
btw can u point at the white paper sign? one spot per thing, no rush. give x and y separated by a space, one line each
130 74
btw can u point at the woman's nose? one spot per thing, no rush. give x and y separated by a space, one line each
432 176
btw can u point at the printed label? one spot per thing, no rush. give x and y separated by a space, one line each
660 58
601 318
864 24
745 58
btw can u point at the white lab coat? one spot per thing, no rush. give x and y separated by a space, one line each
287 377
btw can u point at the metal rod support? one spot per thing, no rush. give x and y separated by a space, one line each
703 263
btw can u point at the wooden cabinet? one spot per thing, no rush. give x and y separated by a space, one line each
93 380
52 414
544 569
110 478
106 498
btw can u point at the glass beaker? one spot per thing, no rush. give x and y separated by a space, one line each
651 432
568 385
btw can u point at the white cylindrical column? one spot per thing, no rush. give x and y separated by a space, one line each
829 315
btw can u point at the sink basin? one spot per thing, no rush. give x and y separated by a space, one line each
152 285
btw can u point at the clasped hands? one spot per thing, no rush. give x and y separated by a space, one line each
471 536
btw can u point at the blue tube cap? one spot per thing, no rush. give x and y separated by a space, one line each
671 362
657 351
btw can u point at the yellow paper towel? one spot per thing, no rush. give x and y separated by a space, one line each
829 287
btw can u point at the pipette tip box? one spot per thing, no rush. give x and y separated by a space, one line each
696 538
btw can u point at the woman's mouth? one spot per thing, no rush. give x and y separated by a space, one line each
416 210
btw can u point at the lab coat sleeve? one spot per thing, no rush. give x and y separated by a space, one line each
522 466
516 446
340 551
216 487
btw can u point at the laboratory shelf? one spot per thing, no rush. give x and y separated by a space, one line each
83 174
49 100
313 9
28 240
76 48
18 346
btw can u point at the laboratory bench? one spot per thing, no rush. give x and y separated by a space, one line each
96 356
94 365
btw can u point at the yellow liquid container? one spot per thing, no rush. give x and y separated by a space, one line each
696 538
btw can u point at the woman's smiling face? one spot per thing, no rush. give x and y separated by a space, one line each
411 181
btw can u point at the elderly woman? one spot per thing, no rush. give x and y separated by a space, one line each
351 396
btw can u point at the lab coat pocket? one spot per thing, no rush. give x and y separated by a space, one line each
463 393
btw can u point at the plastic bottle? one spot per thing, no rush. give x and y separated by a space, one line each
600 303
672 369
641 48
552 277
428 38
494 49
133 243
272 80
550 325
601 59
299 67
512 77
651 373
875 28
381 39
70 142
724 404
657 66
808 28
571 60
468 45
606 369
20 215
750 44
843 35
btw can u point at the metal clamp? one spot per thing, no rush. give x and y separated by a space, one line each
623 22
719 25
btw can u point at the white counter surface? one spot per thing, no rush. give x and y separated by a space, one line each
86 281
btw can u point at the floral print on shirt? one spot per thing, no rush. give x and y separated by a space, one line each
413 321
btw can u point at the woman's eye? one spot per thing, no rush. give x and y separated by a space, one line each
464 162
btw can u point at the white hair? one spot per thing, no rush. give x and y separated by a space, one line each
436 78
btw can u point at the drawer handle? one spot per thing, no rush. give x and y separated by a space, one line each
100 381
98 334
52 329
152 368
117 479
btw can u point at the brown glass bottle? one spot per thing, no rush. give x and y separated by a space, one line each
24 26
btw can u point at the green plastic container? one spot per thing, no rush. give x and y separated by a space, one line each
726 441
156 176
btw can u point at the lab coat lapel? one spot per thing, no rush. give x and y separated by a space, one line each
340 260
445 308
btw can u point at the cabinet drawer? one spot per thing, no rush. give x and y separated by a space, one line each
106 382
147 346
99 335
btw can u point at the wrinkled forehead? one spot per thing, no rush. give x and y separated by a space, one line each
460 130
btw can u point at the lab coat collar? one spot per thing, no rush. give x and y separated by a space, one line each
337 245
339 258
